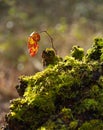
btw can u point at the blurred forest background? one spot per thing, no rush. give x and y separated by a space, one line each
69 22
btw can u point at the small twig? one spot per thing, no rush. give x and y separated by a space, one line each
51 39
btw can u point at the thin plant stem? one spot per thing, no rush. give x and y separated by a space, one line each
51 39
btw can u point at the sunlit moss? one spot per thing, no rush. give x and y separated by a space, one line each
73 125
95 53
66 95
77 52
92 125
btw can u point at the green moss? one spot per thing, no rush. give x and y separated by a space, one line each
77 52
73 125
95 53
89 104
49 57
92 125
66 95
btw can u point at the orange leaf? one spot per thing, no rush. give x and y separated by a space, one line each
33 50
31 43
35 36
31 40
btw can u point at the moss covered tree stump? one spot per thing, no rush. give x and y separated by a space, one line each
66 95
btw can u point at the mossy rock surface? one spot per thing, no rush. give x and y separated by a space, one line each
66 95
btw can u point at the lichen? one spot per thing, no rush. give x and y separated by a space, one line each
66 95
